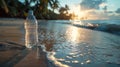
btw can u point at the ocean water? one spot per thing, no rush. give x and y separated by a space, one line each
69 43
102 21
73 44
110 26
91 21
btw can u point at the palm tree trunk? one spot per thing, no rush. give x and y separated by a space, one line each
5 6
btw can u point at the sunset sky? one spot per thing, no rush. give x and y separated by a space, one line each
111 4
93 9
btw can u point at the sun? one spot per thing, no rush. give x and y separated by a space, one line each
76 12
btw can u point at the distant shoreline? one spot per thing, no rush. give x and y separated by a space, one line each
109 28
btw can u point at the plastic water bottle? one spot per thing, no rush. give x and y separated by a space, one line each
31 30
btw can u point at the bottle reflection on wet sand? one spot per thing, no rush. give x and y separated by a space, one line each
38 53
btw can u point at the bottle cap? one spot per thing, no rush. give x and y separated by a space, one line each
30 12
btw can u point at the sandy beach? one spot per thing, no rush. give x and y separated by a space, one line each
10 37
12 45
65 45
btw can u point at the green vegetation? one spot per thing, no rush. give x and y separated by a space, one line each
43 9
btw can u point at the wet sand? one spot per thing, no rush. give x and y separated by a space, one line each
12 46
69 45
9 34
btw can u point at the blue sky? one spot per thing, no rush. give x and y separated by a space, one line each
93 10
109 5
112 4
69 2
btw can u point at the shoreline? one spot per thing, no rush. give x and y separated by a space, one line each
9 31
108 28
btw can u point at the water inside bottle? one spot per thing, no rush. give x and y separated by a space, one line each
31 33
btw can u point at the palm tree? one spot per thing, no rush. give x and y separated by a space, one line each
11 7
54 4
41 7
16 8
64 10
4 5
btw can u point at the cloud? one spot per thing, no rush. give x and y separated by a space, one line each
91 12
91 4
102 5
114 16
95 15
118 10
98 9
105 8
110 11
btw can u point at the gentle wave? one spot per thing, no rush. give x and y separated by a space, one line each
110 26
106 27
